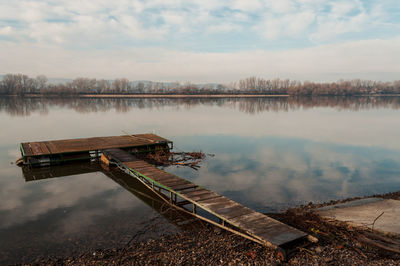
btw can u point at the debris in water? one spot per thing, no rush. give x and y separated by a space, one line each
191 159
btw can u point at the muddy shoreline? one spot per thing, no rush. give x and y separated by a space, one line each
203 243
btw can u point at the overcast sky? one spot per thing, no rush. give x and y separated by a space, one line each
201 40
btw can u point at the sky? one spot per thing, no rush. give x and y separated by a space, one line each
201 40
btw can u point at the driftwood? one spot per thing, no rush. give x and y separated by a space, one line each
380 243
190 159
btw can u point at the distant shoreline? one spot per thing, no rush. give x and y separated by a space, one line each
151 96
189 95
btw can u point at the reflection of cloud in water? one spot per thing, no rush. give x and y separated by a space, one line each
84 215
278 175
27 201
14 153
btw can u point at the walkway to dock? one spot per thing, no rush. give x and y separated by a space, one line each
180 192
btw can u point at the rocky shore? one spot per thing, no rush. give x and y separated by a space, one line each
339 244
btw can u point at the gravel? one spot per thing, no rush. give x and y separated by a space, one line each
208 245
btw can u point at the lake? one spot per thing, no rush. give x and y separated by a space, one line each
269 154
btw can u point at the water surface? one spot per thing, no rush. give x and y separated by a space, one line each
270 154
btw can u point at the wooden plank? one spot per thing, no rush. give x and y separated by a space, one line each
51 147
44 148
36 150
149 169
218 207
281 235
137 163
183 187
162 174
143 169
166 178
220 200
176 182
207 196
179 180
246 219
153 174
197 191
27 149
273 231
262 226
238 213
225 211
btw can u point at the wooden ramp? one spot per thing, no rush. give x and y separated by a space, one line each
180 192
56 151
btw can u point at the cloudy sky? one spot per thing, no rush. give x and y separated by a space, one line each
201 40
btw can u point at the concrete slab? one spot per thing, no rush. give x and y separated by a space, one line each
363 213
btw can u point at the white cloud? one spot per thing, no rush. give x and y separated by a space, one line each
49 32
339 20
224 27
282 6
290 25
137 19
359 59
6 31
247 6
175 19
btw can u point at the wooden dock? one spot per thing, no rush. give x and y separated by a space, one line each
192 198
53 152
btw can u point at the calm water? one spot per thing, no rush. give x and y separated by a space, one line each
270 154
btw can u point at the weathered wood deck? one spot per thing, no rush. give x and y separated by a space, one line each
47 152
180 192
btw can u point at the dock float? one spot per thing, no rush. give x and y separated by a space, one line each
193 199
45 153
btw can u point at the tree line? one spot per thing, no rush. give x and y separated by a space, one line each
20 84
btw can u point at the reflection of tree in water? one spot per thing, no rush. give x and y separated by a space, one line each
16 106
26 106
256 105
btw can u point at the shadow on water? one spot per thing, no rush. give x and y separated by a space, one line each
15 106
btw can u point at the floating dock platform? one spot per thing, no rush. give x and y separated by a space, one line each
57 151
230 215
